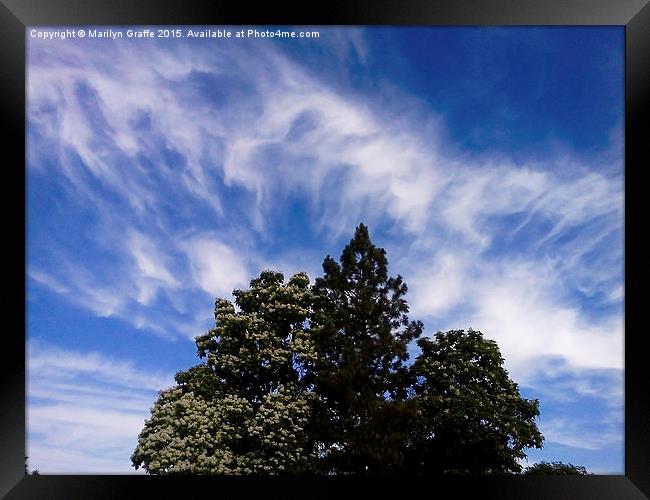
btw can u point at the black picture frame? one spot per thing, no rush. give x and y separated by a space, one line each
16 15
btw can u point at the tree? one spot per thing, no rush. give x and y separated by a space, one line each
472 418
297 378
556 468
35 472
361 333
243 410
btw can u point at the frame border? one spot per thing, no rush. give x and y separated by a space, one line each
15 16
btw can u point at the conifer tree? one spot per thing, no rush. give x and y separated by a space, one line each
361 333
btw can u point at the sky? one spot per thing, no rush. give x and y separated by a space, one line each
165 172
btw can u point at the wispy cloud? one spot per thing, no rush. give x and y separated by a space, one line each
151 267
581 433
218 269
51 361
185 161
519 306
85 409
292 136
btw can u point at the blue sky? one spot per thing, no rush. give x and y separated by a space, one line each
162 173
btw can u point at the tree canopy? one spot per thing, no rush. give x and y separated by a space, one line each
315 378
472 418
244 409
556 468
361 333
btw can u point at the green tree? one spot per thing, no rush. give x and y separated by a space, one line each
297 378
243 410
361 333
556 469
472 418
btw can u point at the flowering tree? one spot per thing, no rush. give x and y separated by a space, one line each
244 409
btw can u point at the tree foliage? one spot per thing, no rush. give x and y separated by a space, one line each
361 333
472 418
556 469
316 378
242 411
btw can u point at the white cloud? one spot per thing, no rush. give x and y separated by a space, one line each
149 260
438 284
617 294
83 427
572 432
151 266
218 269
555 381
353 160
66 461
86 410
520 306
49 281
62 363
393 168
278 132
78 285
